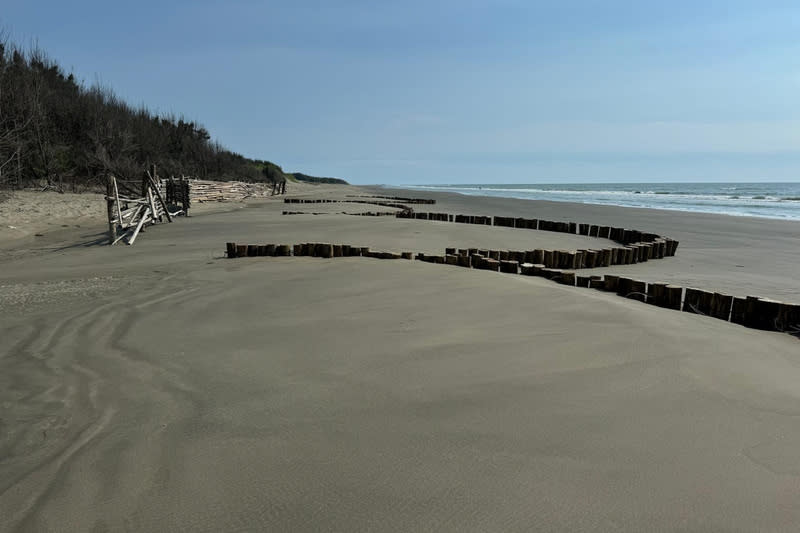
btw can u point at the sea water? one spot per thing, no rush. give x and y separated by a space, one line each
768 200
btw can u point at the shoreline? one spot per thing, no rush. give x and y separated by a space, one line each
426 189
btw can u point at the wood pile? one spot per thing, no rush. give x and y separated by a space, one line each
227 191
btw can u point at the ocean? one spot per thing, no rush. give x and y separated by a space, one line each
767 200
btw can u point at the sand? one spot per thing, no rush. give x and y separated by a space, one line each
163 387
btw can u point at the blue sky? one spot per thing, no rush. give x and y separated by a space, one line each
456 91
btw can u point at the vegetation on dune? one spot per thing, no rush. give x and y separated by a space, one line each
312 179
55 130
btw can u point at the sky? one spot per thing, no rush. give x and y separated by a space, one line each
461 91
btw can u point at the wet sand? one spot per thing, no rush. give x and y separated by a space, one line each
163 387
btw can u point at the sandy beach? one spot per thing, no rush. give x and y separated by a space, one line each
163 387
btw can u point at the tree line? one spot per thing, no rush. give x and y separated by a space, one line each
57 132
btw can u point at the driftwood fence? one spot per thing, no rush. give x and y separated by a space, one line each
131 208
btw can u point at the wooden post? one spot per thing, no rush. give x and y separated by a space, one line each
761 313
789 318
673 297
112 204
638 291
567 278
606 257
186 201
552 273
656 294
624 286
611 282
152 203
491 264
721 306
697 301
509 267
241 250
591 258
572 260
738 310
231 249
157 192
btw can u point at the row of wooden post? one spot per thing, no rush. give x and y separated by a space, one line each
638 246
403 199
309 249
378 200
578 259
752 311
178 192
382 203
364 214
620 235
279 187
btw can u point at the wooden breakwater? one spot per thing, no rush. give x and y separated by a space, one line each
621 235
637 246
403 199
362 214
383 203
750 311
